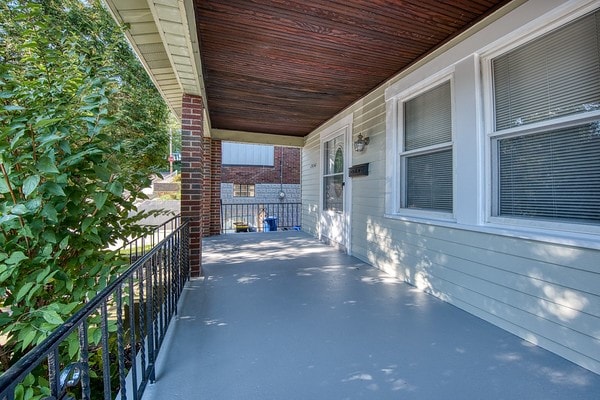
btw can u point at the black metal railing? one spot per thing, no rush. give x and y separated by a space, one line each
260 217
119 332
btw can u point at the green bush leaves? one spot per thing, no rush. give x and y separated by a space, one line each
81 130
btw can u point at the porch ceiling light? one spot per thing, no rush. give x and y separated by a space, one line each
360 143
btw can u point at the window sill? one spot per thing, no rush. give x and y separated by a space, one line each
545 235
424 217
560 234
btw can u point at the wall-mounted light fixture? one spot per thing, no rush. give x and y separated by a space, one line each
360 143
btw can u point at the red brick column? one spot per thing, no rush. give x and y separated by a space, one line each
211 194
215 191
206 186
192 175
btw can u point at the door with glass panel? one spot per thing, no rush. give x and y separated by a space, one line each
334 222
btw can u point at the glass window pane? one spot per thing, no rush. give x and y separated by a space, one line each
429 181
333 189
428 118
333 171
550 77
334 156
551 175
243 190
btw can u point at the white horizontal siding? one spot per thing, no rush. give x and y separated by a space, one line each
496 284
546 292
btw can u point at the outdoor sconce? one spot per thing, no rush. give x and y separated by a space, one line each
360 143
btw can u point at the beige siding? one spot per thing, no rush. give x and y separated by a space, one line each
545 291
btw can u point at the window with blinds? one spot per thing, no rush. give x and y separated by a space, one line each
427 151
551 172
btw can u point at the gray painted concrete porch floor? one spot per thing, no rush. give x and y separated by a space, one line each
282 316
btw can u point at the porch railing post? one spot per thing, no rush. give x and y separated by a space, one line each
84 361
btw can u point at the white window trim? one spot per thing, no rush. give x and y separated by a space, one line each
528 33
395 174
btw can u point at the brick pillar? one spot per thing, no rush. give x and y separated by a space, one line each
211 194
206 186
211 188
215 201
192 175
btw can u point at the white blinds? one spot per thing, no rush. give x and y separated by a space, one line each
429 181
550 77
552 175
428 118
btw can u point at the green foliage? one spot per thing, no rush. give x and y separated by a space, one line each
81 129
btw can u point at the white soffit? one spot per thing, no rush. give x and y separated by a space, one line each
163 35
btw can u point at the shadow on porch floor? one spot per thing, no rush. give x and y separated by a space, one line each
282 316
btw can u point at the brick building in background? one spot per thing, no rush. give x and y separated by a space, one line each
263 177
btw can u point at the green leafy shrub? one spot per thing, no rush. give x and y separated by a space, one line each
69 122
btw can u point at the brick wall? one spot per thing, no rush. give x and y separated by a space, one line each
286 162
192 175
206 186
215 189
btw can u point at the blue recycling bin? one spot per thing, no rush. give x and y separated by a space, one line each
270 224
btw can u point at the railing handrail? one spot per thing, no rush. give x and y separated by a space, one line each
19 370
157 228
289 214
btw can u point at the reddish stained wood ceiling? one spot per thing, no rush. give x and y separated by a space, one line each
285 67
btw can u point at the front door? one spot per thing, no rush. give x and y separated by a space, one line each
334 221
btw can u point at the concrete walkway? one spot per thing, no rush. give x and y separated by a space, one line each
282 316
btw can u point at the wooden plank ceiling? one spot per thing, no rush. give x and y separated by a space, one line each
285 67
